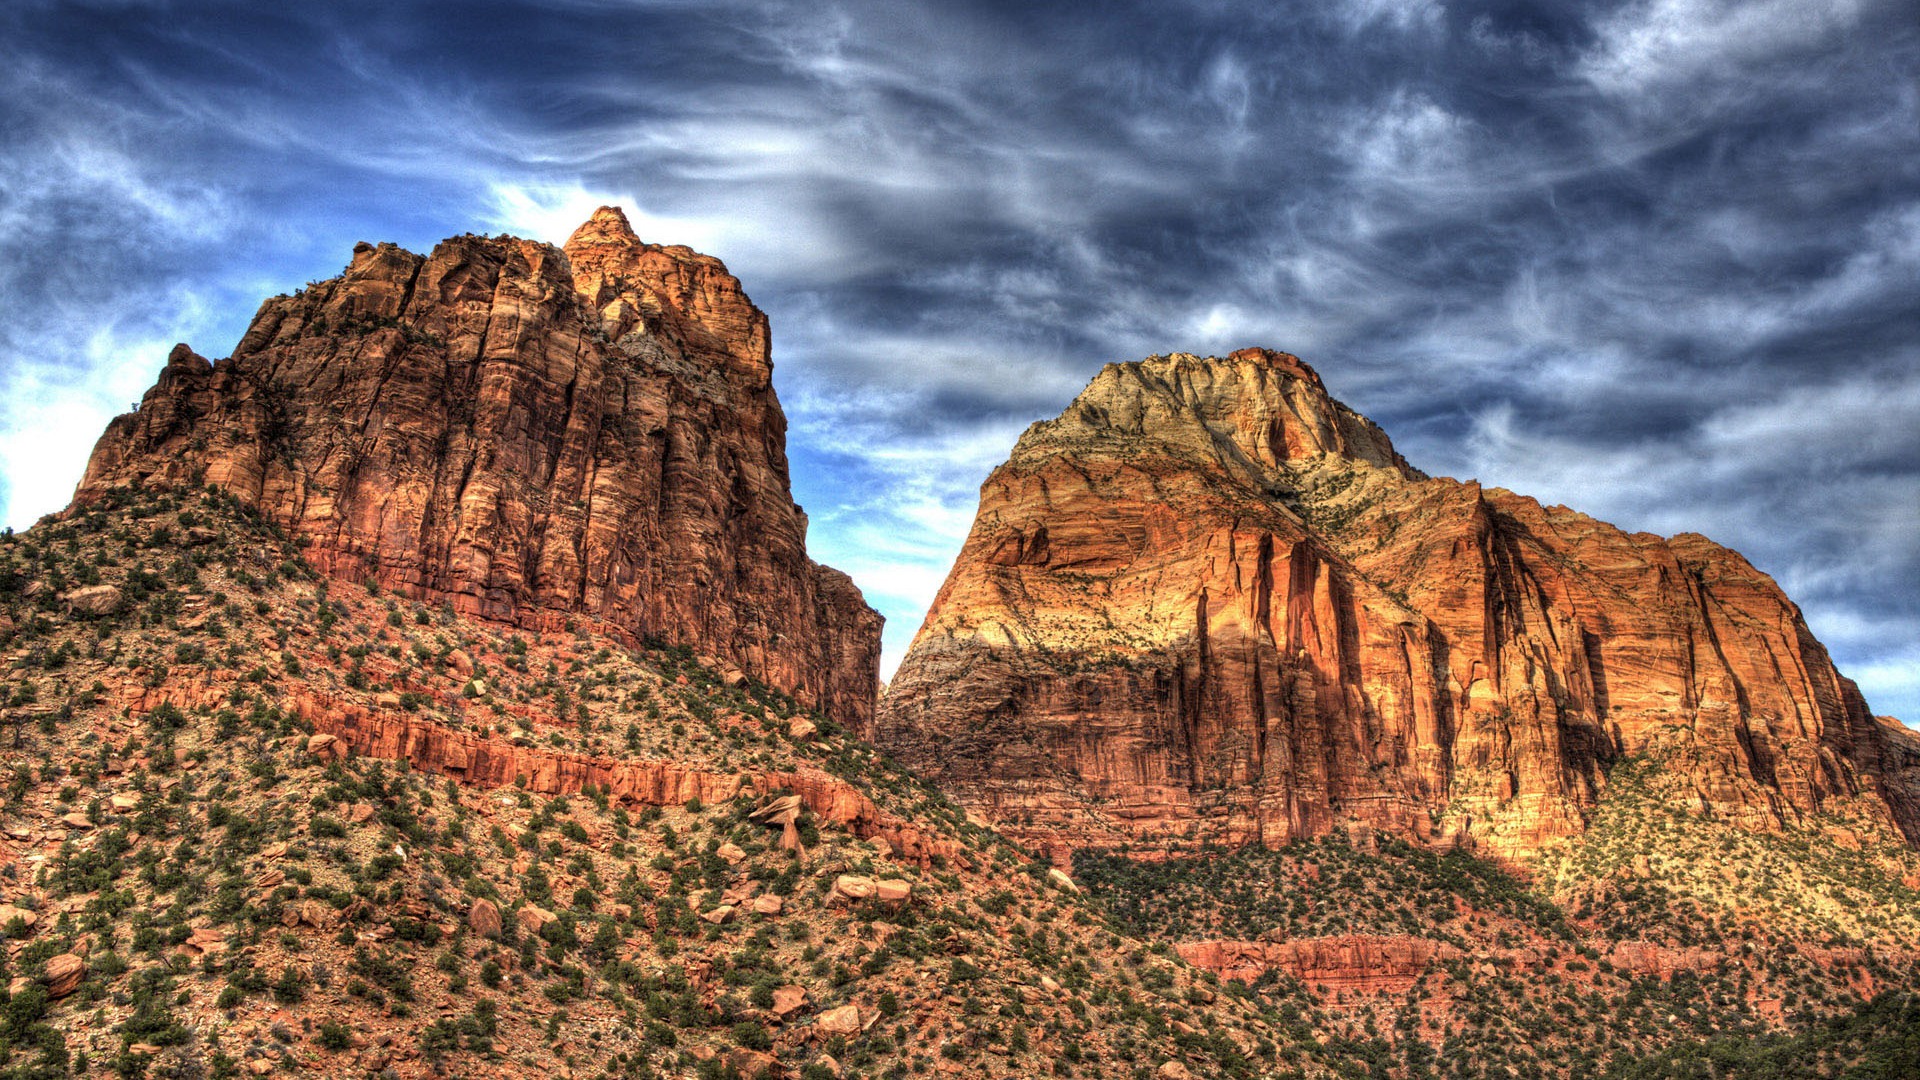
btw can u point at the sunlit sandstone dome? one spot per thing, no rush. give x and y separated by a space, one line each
1210 602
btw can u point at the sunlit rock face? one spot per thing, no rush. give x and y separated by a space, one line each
1211 603
525 432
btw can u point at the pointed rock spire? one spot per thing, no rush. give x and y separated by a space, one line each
608 225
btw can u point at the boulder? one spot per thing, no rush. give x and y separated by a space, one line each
784 811
788 1000
844 1020
483 918
95 600
9 912
64 973
778 810
310 913
752 1064
204 941
853 887
326 747
533 918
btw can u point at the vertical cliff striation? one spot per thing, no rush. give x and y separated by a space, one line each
1209 602
524 432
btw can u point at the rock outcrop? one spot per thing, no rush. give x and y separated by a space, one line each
1209 602
486 761
1353 963
525 432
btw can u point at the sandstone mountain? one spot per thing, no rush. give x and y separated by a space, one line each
414 694
525 433
1209 602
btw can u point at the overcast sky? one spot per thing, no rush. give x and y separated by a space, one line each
1659 261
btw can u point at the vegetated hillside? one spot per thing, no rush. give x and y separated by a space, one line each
1880 1042
1661 943
256 821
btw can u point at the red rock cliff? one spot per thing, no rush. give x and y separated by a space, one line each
1209 601
523 432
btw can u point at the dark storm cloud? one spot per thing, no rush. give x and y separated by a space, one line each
1655 260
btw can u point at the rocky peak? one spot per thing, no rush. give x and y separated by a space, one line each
523 432
645 292
1257 414
607 225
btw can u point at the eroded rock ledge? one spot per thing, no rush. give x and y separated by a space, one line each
432 747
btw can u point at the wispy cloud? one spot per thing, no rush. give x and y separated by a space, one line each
1658 45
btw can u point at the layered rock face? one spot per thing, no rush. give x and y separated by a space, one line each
524 432
343 728
1209 602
